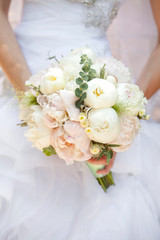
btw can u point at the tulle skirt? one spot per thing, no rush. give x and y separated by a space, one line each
43 199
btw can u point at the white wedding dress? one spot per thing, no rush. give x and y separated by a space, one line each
40 197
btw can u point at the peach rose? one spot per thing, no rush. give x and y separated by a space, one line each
71 142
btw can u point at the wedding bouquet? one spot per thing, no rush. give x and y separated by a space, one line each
83 107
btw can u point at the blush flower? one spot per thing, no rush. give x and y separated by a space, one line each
129 129
71 142
54 111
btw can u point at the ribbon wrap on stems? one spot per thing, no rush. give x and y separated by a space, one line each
104 180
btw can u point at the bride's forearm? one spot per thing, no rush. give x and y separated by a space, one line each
11 58
149 80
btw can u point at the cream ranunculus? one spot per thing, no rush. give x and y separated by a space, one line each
104 125
71 63
52 81
101 94
130 99
37 131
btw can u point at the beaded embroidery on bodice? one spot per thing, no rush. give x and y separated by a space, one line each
100 13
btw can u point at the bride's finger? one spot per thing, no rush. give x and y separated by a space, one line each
101 161
107 168
103 171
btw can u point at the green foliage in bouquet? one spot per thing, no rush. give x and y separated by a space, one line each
28 99
103 72
48 151
22 124
105 150
86 74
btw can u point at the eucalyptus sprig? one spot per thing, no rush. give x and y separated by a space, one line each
86 74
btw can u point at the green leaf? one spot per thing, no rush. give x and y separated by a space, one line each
78 92
86 68
84 86
49 151
109 156
78 103
89 62
84 95
103 72
79 81
23 124
53 57
82 74
113 145
93 71
92 74
100 155
86 78
82 61
84 56
29 99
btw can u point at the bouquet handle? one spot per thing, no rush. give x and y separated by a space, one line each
104 180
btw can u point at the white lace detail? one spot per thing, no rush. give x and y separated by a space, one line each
100 13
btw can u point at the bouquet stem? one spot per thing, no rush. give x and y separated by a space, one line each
105 180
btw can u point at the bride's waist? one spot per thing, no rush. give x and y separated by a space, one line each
37 44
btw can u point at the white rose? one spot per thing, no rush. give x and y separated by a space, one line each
130 99
104 125
100 94
37 131
52 81
71 63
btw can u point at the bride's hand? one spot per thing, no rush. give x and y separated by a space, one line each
103 161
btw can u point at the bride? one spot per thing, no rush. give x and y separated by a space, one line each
40 197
